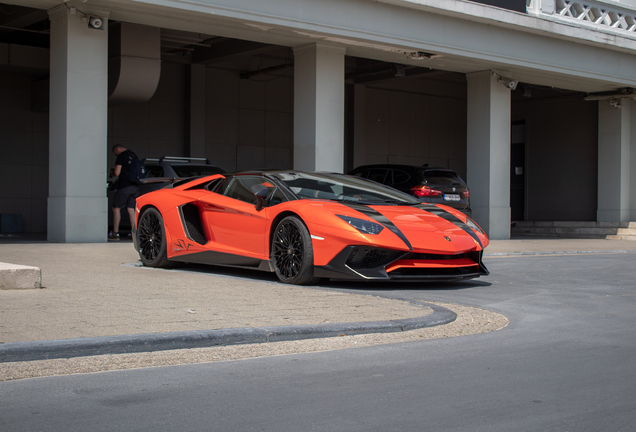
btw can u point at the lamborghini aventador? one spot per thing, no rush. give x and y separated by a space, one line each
305 226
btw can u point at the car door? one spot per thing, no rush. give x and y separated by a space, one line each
233 223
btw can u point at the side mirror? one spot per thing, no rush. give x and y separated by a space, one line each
261 193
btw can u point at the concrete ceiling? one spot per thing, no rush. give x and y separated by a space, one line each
210 33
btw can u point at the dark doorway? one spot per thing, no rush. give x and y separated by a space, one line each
517 170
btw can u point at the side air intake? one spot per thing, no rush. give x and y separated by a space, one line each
192 223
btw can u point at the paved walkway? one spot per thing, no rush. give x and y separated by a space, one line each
100 291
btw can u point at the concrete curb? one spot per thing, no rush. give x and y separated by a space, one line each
14 276
82 347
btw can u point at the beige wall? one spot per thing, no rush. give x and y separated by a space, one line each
412 129
155 128
416 122
248 121
24 146
561 158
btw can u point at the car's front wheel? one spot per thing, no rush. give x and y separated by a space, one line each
151 240
292 252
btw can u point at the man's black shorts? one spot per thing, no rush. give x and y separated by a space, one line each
126 197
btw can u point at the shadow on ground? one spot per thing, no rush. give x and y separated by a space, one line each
265 277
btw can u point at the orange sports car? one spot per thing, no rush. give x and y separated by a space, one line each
305 226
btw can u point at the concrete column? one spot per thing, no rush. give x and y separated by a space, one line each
632 163
77 204
197 110
615 161
319 108
488 153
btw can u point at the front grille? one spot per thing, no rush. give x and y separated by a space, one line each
367 257
466 271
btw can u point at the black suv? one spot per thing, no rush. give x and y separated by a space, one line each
429 184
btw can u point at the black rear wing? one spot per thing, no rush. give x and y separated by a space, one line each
177 159
159 180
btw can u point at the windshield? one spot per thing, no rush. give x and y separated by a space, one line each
196 170
340 187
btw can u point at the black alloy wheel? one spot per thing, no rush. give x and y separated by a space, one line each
151 241
292 252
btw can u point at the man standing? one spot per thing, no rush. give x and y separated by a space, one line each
127 191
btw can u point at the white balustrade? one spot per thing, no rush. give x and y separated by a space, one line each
596 13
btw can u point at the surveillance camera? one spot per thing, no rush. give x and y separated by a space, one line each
510 84
95 23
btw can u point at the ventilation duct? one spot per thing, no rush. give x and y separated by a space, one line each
134 62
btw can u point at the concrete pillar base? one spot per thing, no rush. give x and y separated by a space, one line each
74 219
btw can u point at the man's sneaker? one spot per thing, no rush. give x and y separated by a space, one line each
113 236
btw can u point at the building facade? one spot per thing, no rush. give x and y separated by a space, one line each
532 102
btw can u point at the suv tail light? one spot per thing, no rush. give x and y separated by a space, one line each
466 194
425 191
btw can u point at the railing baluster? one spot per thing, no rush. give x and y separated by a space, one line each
591 12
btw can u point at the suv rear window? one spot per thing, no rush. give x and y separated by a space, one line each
440 177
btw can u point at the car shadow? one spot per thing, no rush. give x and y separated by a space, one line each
229 272
266 277
405 286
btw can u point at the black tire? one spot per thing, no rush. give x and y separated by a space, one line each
292 253
151 240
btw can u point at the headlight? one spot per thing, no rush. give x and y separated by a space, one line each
362 225
471 223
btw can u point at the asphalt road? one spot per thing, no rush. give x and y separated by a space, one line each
566 362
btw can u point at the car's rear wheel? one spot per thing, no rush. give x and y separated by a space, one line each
151 240
292 252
